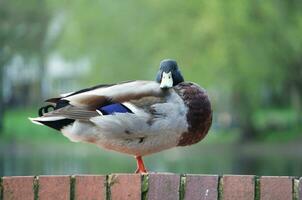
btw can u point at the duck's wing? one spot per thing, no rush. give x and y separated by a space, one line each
118 93
101 100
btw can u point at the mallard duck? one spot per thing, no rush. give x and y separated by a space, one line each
135 117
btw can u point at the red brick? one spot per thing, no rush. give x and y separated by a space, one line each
125 186
238 187
18 188
54 187
90 187
201 187
276 188
163 186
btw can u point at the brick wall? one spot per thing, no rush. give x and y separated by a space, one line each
151 186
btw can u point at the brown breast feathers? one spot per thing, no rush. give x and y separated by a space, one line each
199 116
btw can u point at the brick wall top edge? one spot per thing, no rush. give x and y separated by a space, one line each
236 175
282 177
152 173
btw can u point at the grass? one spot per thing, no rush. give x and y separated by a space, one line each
275 117
277 125
291 134
17 126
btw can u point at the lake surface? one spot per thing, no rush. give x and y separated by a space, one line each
49 158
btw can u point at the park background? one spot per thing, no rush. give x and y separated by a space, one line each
247 54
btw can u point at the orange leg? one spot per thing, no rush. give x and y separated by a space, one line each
140 165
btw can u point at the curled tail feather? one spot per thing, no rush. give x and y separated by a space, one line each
45 109
55 122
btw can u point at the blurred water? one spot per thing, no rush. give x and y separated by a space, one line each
72 158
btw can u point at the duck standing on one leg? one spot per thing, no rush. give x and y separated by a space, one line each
136 117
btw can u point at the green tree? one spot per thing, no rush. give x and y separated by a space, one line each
23 31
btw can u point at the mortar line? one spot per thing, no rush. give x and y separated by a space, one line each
182 186
36 187
220 188
257 188
144 186
1 188
108 191
72 187
295 188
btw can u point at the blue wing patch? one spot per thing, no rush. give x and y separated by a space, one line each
114 108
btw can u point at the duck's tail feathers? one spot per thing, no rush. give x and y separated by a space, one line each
55 122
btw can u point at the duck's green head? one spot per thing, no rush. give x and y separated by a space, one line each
169 74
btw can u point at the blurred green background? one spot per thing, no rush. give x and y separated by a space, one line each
247 54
